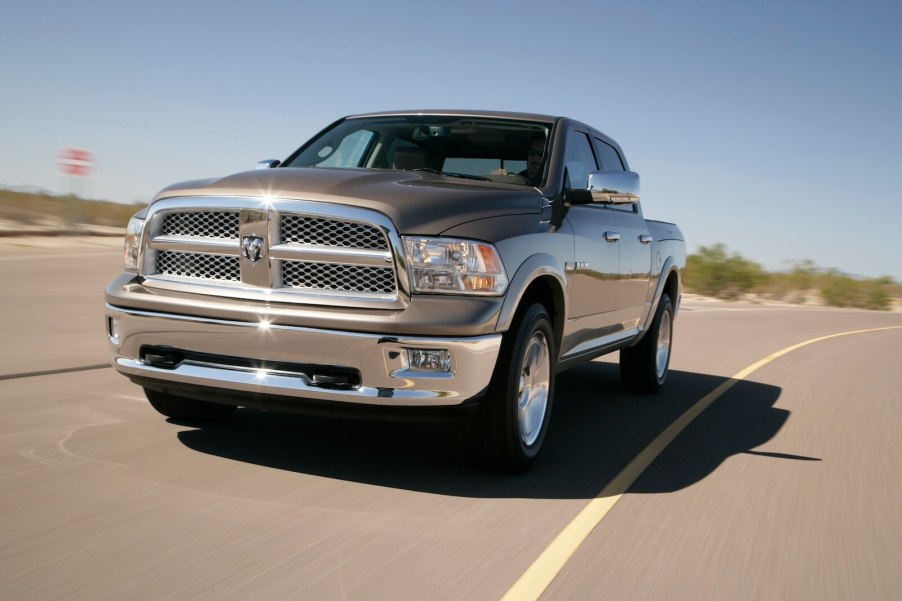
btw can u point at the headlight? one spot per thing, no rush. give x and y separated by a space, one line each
452 266
132 242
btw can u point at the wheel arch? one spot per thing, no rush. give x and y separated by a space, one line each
672 288
540 279
668 283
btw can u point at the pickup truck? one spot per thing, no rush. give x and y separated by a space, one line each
420 265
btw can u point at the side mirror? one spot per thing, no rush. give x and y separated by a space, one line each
614 187
268 164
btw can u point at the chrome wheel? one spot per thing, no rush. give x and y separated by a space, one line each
663 347
532 393
644 366
512 420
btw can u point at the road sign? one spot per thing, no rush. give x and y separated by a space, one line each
76 162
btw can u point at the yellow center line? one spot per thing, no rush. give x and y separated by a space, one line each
548 565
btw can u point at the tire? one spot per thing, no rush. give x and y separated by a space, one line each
513 418
644 367
178 407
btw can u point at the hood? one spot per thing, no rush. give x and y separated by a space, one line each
417 202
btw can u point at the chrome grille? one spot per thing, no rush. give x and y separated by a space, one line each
343 255
329 232
199 266
202 224
344 278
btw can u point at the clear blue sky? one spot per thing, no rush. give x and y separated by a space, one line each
773 127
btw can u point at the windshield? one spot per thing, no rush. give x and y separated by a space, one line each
501 150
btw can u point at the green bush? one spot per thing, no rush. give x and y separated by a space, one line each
793 285
29 208
713 272
840 290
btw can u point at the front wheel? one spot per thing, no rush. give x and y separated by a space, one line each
644 367
513 419
178 407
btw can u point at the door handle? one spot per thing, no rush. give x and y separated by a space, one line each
645 238
612 236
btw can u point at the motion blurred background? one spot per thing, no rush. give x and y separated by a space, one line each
770 131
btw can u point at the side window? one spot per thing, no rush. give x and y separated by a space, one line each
579 160
610 160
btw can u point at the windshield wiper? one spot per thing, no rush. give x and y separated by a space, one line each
451 174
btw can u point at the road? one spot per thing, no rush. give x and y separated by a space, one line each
786 487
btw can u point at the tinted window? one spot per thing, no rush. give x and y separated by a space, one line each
579 160
474 145
607 154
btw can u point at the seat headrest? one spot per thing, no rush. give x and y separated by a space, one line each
410 158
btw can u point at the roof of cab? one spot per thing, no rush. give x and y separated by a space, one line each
463 113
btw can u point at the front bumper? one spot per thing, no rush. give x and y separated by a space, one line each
254 356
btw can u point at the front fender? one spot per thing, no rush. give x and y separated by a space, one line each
540 265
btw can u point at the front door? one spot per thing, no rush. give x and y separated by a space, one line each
595 270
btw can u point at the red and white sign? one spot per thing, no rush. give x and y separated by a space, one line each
76 162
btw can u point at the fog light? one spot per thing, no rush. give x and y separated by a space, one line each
433 360
112 327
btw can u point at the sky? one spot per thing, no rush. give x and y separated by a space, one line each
772 127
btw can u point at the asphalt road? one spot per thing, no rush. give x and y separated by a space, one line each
786 487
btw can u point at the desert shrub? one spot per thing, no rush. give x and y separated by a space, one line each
790 285
840 290
25 207
714 272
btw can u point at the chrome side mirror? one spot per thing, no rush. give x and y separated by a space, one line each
614 187
268 164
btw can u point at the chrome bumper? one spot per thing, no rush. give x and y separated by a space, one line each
385 377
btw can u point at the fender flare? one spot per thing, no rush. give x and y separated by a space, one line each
536 266
670 266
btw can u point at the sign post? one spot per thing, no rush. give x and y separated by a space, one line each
75 163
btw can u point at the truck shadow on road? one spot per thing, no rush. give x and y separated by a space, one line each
596 430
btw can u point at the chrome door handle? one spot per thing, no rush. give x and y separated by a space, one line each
645 238
612 236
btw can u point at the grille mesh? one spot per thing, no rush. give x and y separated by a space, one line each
203 224
199 265
329 232
211 261
342 278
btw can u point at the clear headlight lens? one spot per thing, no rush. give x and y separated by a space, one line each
453 266
132 242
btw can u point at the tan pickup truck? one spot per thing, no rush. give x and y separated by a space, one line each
406 264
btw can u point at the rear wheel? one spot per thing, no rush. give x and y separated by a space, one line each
644 367
179 407
513 419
